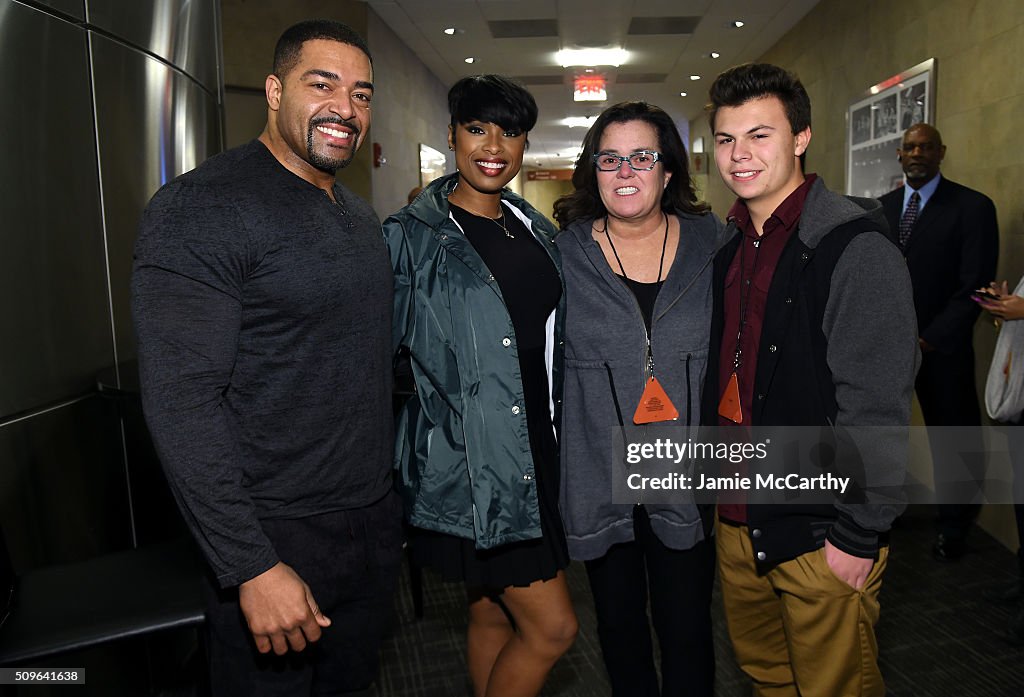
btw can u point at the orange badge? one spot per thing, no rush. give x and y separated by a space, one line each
729 405
654 405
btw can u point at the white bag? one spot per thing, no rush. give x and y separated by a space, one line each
1004 389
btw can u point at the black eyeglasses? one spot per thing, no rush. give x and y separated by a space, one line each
639 161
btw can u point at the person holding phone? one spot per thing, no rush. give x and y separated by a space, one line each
1004 400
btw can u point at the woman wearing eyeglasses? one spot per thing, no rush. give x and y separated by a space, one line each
636 252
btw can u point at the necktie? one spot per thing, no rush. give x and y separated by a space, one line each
909 218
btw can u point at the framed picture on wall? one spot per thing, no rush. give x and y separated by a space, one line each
875 122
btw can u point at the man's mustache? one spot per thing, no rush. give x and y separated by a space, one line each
337 120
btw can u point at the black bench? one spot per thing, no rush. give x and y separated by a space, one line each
64 608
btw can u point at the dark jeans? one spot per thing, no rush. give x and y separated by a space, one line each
679 586
350 560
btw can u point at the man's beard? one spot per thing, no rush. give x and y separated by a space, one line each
323 162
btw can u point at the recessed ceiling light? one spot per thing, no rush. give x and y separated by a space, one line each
682 94
471 59
695 77
449 30
738 23
591 56
715 54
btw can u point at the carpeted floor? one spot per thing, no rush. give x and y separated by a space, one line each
938 635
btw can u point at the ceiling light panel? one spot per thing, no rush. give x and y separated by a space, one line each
591 56
579 121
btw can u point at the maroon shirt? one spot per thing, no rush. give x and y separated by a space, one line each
760 256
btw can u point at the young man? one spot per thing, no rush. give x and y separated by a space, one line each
261 297
812 326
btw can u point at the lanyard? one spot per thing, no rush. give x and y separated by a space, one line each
664 245
661 265
730 406
744 298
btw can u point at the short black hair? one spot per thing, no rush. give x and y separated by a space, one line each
492 99
679 194
742 83
289 46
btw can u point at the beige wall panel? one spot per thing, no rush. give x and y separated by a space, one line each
543 194
410 107
251 29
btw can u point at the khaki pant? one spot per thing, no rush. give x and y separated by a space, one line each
799 631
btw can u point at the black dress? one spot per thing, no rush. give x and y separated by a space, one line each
531 289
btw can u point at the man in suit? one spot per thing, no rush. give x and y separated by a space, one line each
950 239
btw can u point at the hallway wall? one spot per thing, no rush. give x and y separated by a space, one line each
839 49
410 107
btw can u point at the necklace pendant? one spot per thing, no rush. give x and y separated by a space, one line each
504 228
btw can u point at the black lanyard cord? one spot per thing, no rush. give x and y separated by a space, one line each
744 298
664 245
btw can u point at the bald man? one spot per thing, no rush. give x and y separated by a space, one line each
950 239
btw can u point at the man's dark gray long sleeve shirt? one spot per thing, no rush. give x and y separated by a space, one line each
262 311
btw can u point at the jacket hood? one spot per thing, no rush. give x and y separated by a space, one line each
705 230
825 210
431 206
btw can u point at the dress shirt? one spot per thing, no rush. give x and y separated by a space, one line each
925 192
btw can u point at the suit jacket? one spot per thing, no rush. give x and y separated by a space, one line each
953 249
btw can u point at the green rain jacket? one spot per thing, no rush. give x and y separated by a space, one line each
462 450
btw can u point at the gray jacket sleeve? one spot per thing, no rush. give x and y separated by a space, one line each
873 354
187 311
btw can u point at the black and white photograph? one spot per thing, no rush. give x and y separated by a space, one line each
876 119
912 103
884 111
860 125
